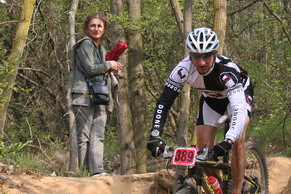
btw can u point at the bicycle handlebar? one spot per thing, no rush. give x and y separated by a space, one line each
204 154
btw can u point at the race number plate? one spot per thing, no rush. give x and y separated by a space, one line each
184 156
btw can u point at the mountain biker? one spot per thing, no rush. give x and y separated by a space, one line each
224 85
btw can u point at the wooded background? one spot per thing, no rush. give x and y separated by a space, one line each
35 40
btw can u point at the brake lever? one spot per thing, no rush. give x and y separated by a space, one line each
168 152
202 154
205 154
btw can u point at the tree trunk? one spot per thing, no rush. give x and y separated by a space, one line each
186 27
137 82
73 166
220 17
185 93
126 140
178 15
14 57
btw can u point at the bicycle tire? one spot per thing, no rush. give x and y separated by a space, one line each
187 190
256 169
229 186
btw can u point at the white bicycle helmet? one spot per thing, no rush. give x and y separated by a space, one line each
202 40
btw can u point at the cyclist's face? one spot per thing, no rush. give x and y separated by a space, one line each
95 29
203 61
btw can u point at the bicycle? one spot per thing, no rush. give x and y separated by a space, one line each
256 172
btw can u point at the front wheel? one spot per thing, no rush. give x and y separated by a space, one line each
256 172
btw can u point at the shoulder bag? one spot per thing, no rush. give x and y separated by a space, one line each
99 91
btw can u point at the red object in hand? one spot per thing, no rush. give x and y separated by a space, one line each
116 51
215 185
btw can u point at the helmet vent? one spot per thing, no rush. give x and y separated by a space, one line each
201 38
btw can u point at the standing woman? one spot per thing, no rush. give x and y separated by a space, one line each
89 63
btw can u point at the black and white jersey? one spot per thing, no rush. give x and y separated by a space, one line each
226 80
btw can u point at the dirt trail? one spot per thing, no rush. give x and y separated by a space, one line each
279 173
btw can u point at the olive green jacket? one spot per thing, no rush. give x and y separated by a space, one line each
88 63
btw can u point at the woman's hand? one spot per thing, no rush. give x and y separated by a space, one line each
116 66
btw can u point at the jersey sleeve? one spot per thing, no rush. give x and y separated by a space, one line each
172 89
163 105
235 92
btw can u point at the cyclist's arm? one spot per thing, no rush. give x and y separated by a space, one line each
238 105
173 86
163 105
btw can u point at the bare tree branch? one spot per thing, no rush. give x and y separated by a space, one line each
280 20
243 8
178 15
14 21
32 69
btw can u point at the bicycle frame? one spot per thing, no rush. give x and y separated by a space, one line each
197 172
202 161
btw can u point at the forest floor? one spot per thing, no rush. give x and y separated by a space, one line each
150 183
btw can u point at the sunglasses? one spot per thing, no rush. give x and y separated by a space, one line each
204 56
